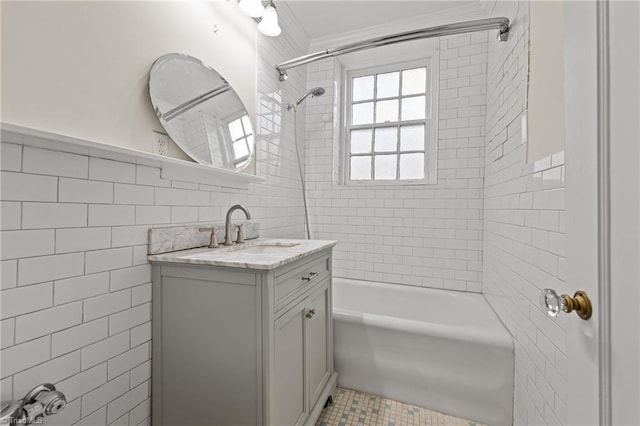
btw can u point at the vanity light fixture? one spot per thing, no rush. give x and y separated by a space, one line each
263 13
252 8
269 23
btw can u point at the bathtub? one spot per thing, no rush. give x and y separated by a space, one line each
437 349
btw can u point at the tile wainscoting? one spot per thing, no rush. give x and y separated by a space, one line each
75 284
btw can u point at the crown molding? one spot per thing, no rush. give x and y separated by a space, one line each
171 168
454 14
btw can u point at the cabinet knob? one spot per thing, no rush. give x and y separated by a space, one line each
310 313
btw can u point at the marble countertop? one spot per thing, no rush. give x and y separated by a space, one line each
235 256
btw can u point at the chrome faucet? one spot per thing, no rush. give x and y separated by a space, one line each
227 225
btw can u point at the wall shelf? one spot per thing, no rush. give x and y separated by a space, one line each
171 168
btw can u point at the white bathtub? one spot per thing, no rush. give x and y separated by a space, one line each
437 349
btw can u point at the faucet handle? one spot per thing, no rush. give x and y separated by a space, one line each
240 238
213 241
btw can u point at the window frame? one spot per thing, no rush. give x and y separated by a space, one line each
430 62
228 120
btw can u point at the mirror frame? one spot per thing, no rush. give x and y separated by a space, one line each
170 56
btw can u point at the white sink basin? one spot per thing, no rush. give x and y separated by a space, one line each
266 247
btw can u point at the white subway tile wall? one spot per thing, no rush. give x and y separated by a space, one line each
76 292
422 235
524 232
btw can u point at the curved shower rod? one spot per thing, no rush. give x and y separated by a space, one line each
501 24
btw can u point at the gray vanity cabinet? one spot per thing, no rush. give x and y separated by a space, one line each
301 374
236 346
319 341
288 388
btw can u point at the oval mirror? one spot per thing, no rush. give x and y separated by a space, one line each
201 112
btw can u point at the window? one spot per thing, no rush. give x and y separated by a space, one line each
241 138
389 134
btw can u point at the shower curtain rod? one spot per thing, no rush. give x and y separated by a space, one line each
501 24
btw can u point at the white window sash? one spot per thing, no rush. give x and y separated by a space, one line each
431 63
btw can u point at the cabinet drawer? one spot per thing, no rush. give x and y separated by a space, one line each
291 282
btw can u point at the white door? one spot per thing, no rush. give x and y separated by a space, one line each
581 161
602 204
624 60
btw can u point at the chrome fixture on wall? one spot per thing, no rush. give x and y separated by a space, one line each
501 24
315 92
41 401
264 14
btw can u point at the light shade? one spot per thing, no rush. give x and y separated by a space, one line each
252 8
269 24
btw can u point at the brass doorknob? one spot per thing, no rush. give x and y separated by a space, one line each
310 313
553 304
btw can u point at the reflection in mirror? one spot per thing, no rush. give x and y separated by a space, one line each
201 112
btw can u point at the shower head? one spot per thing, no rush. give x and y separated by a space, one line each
315 92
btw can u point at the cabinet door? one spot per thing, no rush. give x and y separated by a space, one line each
289 391
318 348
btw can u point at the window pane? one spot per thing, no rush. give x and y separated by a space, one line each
240 148
361 168
411 166
412 138
413 108
235 129
363 88
388 85
362 113
414 81
247 125
387 111
360 141
386 139
385 167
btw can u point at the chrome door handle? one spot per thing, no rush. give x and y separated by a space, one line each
553 304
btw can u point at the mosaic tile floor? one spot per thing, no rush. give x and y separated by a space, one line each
353 408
